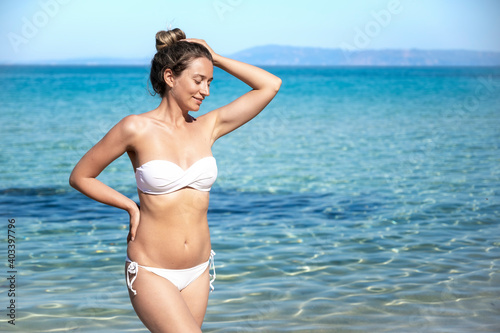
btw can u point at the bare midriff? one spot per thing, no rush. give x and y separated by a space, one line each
173 230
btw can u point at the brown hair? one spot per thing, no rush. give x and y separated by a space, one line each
173 54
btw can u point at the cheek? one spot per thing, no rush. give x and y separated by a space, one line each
180 89
193 87
186 87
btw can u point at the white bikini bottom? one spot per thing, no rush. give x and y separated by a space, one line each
181 278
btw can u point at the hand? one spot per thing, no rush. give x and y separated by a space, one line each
202 42
134 224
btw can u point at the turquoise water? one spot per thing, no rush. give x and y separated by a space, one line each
361 199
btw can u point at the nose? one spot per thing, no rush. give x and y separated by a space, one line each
205 90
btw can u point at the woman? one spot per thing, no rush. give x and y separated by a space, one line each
169 250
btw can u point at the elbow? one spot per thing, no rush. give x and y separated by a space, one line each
73 181
276 85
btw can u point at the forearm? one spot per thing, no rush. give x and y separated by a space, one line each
255 77
100 192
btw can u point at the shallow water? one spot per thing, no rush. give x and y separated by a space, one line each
361 199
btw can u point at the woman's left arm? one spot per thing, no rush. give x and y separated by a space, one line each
264 87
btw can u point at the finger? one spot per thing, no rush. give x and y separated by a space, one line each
133 231
193 40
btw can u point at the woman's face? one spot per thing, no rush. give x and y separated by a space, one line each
193 85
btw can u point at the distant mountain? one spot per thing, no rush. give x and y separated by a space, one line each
278 55
104 62
310 56
87 62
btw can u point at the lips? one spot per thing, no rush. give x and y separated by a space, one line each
198 100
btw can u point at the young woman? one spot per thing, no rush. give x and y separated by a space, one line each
169 250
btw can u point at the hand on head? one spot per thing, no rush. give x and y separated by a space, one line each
202 42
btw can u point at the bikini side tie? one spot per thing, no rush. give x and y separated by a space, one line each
212 266
133 268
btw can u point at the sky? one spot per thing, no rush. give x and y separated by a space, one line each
34 31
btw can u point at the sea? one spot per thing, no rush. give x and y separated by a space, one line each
362 199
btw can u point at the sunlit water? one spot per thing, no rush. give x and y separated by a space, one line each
360 200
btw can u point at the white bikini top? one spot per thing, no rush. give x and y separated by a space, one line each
162 177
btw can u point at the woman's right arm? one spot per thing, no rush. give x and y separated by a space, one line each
83 177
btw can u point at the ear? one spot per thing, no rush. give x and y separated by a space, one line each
168 77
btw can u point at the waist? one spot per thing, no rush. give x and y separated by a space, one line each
174 242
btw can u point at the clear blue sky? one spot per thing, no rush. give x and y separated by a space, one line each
39 30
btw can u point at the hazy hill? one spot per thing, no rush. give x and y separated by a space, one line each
310 56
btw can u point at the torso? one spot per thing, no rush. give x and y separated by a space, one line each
173 231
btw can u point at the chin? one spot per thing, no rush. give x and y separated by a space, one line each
191 108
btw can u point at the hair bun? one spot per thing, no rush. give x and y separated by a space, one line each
168 38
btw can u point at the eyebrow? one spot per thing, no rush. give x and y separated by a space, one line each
203 76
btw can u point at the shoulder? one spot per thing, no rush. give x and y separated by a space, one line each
132 122
133 125
128 131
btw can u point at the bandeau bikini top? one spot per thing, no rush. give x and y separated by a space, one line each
162 177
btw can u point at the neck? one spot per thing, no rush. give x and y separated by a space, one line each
170 112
